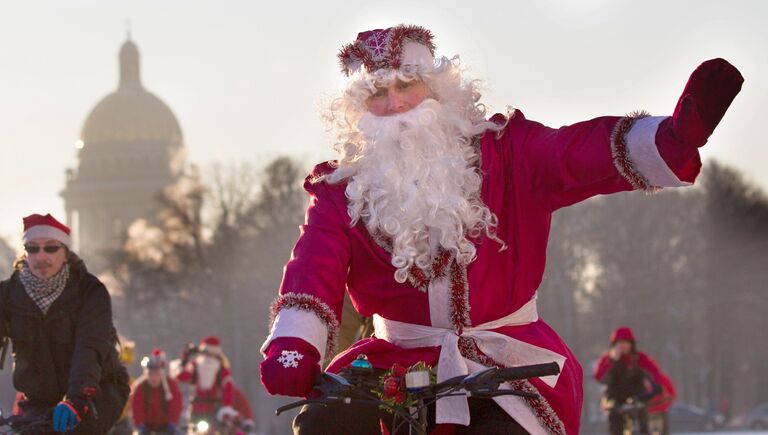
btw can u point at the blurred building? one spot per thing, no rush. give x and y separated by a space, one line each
130 149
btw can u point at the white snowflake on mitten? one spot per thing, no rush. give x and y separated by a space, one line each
290 358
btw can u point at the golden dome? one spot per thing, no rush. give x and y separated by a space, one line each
131 113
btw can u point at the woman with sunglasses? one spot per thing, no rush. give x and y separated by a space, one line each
59 319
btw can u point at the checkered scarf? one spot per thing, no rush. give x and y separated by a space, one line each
44 291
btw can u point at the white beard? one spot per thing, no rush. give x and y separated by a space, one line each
414 181
207 369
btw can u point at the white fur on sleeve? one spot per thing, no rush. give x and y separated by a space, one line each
292 322
641 143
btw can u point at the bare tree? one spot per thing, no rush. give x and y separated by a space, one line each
211 261
684 268
7 256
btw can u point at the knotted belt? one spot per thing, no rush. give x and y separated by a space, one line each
506 350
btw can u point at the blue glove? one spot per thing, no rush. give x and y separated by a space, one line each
171 428
65 417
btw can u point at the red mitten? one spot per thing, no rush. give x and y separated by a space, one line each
707 95
290 368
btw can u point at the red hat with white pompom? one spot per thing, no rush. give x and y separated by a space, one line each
155 361
211 345
37 226
399 47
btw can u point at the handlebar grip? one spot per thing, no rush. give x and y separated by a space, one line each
531 371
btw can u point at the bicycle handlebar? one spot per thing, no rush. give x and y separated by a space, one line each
531 371
336 388
23 424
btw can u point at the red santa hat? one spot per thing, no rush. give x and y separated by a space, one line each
402 46
154 361
37 226
212 345
623 333
157 361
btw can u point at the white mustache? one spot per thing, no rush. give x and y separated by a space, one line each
413 181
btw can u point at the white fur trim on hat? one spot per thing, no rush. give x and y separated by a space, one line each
226 412
47 232
213 350
416 54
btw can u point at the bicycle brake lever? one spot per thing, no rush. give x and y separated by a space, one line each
481 376
92 407
334 378
332 385
289 406
487 395
482 382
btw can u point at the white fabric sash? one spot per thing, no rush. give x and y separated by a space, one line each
506 350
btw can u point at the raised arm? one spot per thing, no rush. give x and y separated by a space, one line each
610 154
602 367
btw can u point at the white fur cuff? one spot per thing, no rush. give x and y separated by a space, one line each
292 322
641 143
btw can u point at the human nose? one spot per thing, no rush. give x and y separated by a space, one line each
396 102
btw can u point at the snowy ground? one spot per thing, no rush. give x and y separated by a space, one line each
724 432
741 432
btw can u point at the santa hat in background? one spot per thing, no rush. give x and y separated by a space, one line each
401 47
157 361
623 333
37 226
211 345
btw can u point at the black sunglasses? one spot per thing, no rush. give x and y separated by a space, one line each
50 249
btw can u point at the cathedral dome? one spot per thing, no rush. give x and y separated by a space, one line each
131 150
131 113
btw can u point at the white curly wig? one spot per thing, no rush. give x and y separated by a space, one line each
414 178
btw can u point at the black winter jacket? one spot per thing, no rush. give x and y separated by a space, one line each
71 347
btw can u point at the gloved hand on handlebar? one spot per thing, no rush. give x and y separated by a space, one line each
290 367
68 413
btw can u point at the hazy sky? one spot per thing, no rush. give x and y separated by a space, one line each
245 78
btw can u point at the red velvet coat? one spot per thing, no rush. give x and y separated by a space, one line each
150 412
529 172
209 401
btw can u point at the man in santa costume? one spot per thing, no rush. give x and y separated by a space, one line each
59 318
626 372
435 219
207 368
156 398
